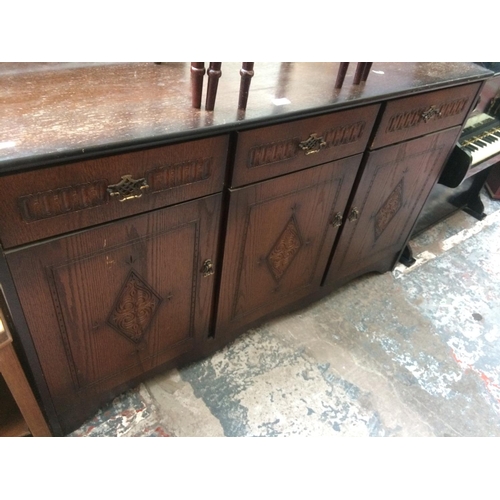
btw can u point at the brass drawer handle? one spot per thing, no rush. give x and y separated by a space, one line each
337 220
313 144
128 188
208 268
430 113
353 215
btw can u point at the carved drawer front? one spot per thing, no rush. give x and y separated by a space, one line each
56 200
109 304
279 149
422 114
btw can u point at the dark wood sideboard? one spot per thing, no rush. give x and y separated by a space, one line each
139 234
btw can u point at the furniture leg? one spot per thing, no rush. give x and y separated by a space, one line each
360 68
214 73
197 73
341 74
366 71
246 73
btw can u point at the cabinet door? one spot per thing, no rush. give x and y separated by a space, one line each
106 305
279 237
394 186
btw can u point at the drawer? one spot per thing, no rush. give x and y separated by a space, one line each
422 114
56 200
279 149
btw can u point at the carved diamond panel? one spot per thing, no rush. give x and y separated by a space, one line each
284 250
134 308
389 209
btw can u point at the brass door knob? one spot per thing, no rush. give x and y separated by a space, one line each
208 268
353 214
337 220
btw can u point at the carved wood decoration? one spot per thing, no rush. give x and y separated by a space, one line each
55 202
134 309
284 250
176 175
389 209
273 152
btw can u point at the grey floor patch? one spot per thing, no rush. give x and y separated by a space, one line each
261 387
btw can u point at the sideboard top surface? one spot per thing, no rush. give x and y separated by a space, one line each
58 112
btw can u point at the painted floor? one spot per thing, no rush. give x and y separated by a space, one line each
415 352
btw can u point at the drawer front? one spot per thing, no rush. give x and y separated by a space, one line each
424 113
279 149
56 200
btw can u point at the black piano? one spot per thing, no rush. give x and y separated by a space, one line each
466 171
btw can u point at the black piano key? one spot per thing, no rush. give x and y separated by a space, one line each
480 143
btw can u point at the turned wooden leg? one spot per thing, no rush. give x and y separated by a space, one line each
360 68
366 71
246 73
214 73
341 74
197 73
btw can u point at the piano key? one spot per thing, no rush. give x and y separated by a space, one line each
484 149
481 138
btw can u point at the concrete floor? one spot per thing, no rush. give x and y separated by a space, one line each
415 352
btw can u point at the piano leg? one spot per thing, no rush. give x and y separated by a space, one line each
470 201
493 182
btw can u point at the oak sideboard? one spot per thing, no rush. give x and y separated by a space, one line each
139 234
